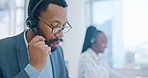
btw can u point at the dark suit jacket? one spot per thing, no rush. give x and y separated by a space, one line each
14 58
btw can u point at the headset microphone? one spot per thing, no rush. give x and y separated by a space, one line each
31 22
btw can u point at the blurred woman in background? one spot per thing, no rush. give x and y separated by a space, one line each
90 64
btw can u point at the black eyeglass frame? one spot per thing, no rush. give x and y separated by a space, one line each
60 28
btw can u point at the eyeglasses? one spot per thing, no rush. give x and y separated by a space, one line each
65 28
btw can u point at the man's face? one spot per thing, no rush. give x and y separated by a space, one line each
101 42
56 16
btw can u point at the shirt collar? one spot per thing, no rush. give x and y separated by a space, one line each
25 38
94 55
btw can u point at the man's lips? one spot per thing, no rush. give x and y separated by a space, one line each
55 43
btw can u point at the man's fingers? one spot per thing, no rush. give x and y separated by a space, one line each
37 38
49 50
46 48
39 43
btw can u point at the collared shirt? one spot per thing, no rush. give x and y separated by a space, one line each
33 72
92 66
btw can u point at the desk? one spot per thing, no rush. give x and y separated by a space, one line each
132 73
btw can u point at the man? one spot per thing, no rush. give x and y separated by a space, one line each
35 53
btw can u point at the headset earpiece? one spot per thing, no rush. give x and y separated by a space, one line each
31 21
92 40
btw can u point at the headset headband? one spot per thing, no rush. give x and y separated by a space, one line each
32 12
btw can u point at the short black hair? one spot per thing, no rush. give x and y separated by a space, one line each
43 6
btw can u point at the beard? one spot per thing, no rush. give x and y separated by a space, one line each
53 43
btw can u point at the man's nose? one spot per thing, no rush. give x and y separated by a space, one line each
59 34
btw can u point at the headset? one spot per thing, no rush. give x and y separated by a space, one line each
93 39
31 22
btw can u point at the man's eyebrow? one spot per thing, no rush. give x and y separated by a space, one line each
59 21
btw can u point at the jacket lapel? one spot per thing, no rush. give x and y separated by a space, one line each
22 53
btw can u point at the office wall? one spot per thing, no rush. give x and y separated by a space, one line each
73 40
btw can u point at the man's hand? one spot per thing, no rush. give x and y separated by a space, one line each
39 52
